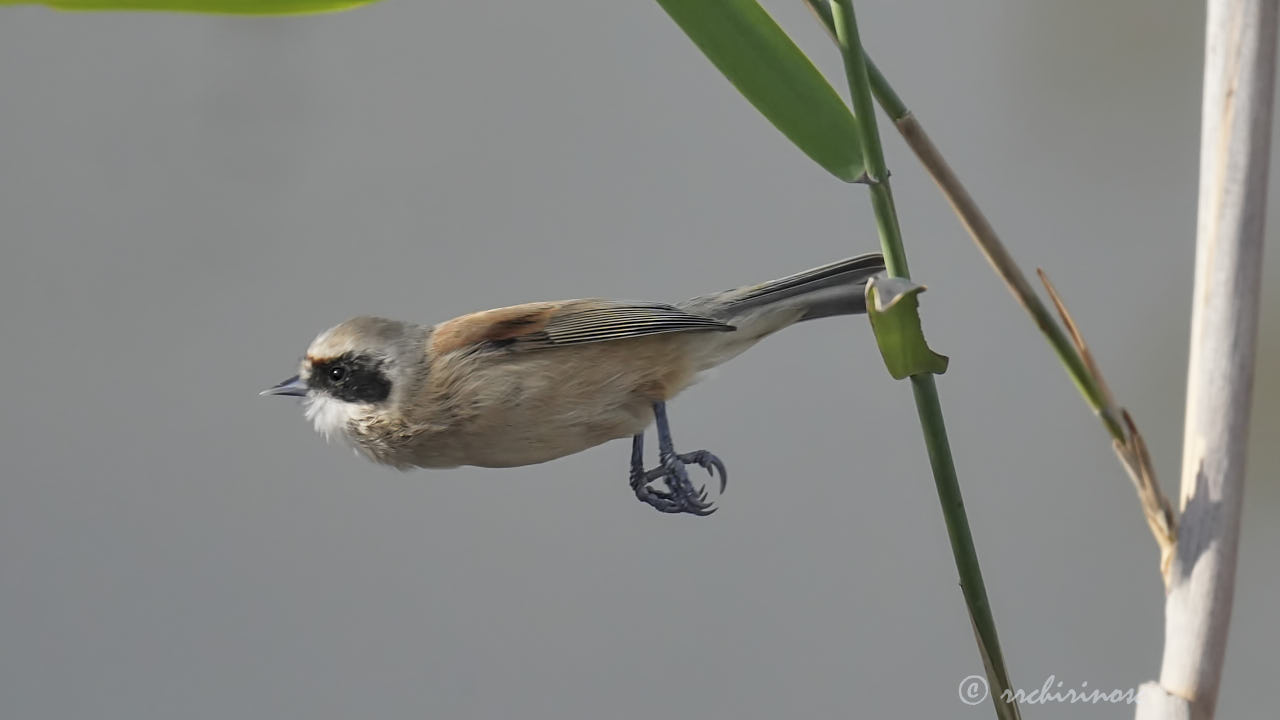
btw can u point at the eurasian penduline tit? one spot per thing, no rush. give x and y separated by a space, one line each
531 383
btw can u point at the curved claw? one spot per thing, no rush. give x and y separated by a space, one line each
671 503
708 462
680 495
659 500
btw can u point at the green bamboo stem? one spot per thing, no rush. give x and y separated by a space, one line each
984 234
885 94
1067 344
924 387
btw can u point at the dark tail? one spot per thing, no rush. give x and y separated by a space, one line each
833 289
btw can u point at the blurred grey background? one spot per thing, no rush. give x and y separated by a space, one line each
185 201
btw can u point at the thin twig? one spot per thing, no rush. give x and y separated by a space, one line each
1071 351
1131 449
984 234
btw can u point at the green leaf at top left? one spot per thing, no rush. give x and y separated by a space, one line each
226 7
740 39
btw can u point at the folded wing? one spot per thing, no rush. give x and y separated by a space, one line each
572 322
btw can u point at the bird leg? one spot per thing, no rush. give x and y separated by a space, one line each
680 495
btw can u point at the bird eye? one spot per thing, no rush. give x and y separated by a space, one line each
337 373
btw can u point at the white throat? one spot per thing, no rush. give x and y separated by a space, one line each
329 415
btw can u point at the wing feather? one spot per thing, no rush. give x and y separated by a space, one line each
573 322
608 320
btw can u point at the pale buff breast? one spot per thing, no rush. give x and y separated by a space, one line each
496 410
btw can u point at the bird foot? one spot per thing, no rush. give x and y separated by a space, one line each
680 496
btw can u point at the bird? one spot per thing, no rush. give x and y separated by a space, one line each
531 383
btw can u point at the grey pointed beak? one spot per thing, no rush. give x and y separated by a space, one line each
293 386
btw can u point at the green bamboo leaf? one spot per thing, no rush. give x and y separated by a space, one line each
223 7
740 39
894 310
